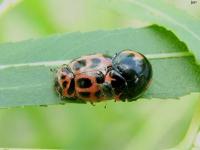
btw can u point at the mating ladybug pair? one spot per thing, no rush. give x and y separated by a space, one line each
94 78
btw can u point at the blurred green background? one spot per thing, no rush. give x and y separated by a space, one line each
141 125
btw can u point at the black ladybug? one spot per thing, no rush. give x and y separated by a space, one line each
129 75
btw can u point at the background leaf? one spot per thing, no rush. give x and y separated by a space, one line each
185 26
159 124
26 79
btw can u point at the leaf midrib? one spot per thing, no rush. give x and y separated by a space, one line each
21 87
60 62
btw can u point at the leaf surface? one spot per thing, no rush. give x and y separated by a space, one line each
26 79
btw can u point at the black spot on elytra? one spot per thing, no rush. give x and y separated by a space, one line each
95 62
71 87
84 83
98 94
84 94
64 84
79 64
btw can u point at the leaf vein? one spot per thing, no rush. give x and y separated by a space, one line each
60 62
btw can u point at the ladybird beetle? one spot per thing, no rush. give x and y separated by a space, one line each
98 77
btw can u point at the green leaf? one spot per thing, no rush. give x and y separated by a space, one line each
191 138
7 5
35 13
26 79
159 130
186 27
